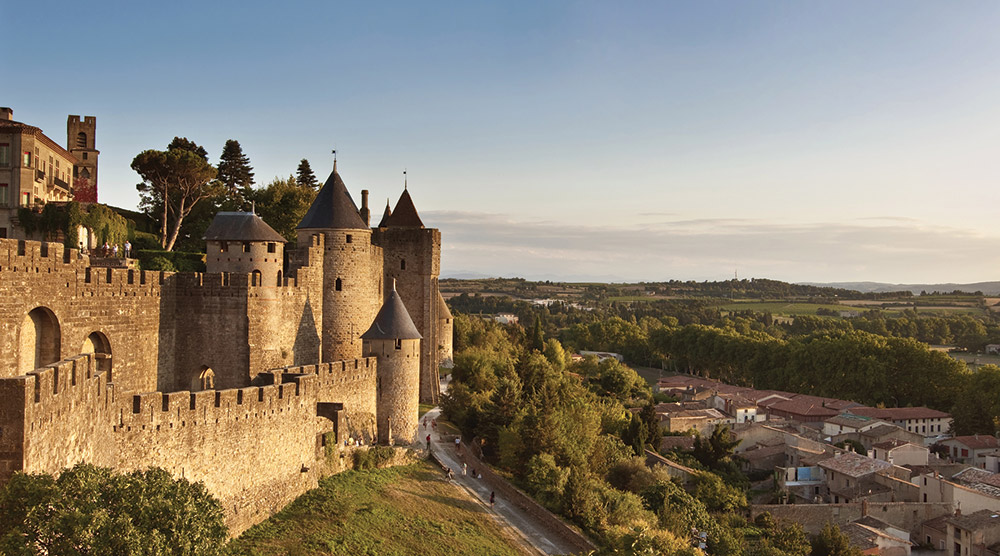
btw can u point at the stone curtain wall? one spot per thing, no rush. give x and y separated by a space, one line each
55 417
122 304
351 383
254 448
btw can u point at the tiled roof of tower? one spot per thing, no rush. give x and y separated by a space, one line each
240 226
393 322
333 207
443 311
405 215
386 214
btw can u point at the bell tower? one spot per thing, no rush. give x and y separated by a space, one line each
80 141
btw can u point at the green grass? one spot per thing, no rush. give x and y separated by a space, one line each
424 408
395 511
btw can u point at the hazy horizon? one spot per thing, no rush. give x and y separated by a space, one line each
803 142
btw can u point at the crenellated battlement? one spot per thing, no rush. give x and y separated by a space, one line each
18 255
49 383
175 410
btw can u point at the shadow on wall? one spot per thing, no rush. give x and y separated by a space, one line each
306 348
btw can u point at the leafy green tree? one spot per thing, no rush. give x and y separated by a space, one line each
717 495
305 176
92 510
174 180
831 541
718 447
235 173
184 144
977 410
283 203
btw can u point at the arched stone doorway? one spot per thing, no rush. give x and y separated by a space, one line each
98 344
204 380
39 341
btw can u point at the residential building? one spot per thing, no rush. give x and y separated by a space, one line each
973 450
975 534
34 169
898 452
926 422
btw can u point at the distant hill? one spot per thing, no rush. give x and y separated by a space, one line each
988 288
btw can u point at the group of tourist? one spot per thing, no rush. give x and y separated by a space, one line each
458 450
110 250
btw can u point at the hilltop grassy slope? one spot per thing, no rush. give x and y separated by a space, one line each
401 510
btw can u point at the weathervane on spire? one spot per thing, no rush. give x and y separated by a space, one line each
334 151
404 179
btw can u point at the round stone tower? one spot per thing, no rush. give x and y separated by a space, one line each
242 243
395 342
352 269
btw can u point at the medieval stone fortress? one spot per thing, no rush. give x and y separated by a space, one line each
242 377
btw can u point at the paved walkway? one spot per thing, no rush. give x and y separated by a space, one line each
542 540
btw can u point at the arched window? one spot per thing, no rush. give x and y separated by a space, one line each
256 279
203 380
338 285
98 344
279 278
40 338
81 139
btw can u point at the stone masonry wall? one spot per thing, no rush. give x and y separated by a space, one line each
417 285
55 417
350 383
252 447
121 304
349 310
398 389
209 318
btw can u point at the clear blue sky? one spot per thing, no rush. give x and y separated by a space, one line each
801 141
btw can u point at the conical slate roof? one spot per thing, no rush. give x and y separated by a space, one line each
443 311
240 226
393 322
333 207
405 215
385 215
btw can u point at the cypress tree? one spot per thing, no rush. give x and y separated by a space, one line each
305 176
234 168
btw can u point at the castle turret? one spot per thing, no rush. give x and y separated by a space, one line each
412 257
352 269
241 242
394 341
446 325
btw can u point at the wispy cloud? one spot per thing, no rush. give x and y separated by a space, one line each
882 249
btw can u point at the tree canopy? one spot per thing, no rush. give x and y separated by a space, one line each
174 181
305 176
235 174
91 510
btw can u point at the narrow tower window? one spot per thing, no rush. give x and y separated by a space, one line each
81 139
349 238
339 285
399 343
402 264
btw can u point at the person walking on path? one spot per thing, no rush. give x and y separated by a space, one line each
465 468
493 498
428 442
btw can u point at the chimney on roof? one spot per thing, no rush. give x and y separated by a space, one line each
366 214
958 509
6 113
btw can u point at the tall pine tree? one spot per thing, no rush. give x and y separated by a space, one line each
234 168
305 176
